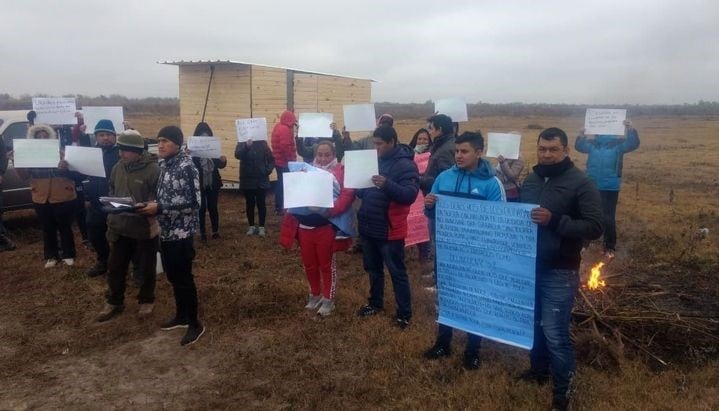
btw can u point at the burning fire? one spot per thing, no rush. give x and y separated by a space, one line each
594 281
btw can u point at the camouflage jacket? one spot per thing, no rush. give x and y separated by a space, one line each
178 198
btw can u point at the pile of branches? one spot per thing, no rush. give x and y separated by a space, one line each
664 322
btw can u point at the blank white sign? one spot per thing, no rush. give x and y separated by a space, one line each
360 166
94 114
308 189
359 117
506 145
85 160
315 125
454 107
31 153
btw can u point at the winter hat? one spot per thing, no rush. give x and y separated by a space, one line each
172 133
385 119
105 126
131 140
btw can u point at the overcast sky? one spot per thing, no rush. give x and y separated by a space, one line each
627 51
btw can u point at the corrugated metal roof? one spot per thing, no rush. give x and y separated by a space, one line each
204 62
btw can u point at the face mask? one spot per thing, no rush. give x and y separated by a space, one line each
420 148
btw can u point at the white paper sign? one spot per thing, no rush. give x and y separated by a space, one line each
315 125
85 160
506 145
205 147
454 107
94 114
303 189
359 117
360 166
251 128
54 110
32 153
605 121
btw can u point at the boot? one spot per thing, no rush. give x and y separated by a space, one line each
98 269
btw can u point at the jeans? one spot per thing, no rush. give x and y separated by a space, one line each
124 250
252 198
444 339
57 218
553 349
177 259
375 254
609 217
210 197
279 195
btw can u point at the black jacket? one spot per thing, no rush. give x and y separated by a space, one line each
96 187
3 157
574 202
256 165
440 159
306 146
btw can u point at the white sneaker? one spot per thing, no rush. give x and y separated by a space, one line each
50 263
69 261
261 231
432 289
326 307
252 230
313 301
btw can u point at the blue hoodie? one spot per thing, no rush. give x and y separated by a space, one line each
606 156
480 183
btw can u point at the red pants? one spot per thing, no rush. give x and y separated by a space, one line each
316 248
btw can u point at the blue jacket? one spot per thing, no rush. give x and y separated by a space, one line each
481 183
383 213
606 156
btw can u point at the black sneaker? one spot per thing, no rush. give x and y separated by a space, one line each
215 236
560 404
401 323
437 351
193 334
6 244
533 376
367 310
174 323
97 270
471 361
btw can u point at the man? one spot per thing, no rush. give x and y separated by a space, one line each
283 149
177 205
569 213
131 234
604 166
5 243
97 187
382 221
471 177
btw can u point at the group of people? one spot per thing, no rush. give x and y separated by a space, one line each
170 196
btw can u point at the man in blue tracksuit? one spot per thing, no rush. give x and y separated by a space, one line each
604 168
471 177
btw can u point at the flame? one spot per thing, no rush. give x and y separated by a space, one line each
594 281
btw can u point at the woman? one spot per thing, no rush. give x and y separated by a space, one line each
508 172
321 232
210 184
256 165
53 193
421 143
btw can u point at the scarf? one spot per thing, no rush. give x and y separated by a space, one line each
329 167
208 166
553 170
421 148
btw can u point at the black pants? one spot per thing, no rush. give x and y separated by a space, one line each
177 259
80 213
57 218
210 197
279 194
444 338
124 250
375 255
609 216
96 233
252 198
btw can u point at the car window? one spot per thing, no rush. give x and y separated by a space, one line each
14 130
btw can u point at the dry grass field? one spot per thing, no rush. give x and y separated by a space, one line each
262 350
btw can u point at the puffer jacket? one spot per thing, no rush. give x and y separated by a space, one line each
178 197
137 180
440 159
606 157
283 142
383 213
576 210
97 187
481 183
256 165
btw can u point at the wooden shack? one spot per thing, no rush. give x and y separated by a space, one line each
228 90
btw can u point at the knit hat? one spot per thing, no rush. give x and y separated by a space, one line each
105 126
172 133
385 119
131 140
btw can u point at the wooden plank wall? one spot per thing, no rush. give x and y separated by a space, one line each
229 100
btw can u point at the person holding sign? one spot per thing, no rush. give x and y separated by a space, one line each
441 131
306 146
421 143
569 213
256 164
471 177
53 194
132 237
382 219
604 166
319 230
508 171
283 150
6 244
210 184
